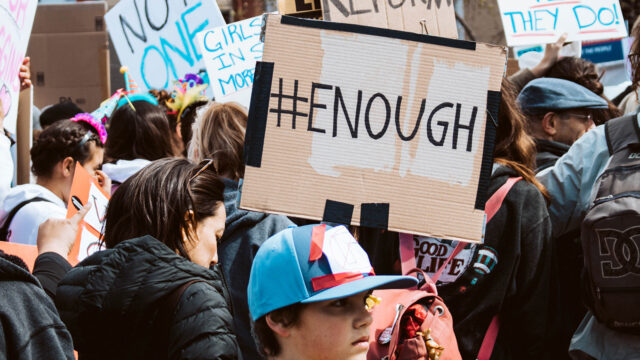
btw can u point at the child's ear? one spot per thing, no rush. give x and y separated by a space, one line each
277 327
68 166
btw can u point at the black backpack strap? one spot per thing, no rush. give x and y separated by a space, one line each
166 313
4 230
622 132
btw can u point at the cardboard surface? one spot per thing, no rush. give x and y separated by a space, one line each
87 16
85 189
70 65
423 17
433 17
24 136
16 20
529 22
157 40
230 53
374 167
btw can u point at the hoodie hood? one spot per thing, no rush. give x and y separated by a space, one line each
121 170
12 268
122 289
24 192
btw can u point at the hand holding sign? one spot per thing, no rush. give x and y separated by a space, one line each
551 55
59 235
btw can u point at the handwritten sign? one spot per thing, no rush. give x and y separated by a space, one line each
157 39
528 22
16 20
85 189
230 53
371 127
433 17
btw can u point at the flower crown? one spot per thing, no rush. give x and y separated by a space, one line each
186 92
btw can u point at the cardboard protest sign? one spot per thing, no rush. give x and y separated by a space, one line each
371 127
230 53
433 17
86 189
157 40
528 22
16 20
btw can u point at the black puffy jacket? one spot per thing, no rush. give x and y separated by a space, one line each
110 303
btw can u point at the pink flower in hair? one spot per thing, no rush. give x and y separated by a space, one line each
95 123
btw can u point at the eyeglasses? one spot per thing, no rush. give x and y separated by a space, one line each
206 163
585 118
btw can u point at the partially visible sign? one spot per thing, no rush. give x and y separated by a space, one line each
372 127
230 53
16 20
85 189
432 17
528 22
601 52
156 40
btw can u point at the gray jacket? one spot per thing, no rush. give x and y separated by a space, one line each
30 327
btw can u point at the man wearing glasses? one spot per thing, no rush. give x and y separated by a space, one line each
558 113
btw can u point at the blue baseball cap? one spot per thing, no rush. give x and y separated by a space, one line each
549 94
312 263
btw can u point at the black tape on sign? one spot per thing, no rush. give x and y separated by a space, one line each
258 111
374 215
493 107
369 30
337 212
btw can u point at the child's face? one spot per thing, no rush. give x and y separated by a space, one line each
333 329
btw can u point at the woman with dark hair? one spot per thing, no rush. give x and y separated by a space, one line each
139 133
155 292
508 276
53 156
218 134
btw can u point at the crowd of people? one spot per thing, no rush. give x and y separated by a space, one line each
187 274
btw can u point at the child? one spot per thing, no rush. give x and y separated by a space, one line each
307 293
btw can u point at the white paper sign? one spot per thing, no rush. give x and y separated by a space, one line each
230 53
16 20
156 40
528 22
343 252
89 244
96 215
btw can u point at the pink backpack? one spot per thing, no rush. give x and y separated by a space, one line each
435 339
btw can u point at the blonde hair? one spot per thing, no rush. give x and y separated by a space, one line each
218 134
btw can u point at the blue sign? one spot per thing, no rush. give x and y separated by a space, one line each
603 51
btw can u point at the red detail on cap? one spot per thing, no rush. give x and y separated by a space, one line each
333 280
317 241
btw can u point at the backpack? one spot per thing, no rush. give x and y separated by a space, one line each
436 338
610 232
5 234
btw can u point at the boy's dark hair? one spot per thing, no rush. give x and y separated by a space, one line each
267 341
63 110
58 141
142 133
156 200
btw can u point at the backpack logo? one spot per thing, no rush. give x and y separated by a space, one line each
620 252
634 156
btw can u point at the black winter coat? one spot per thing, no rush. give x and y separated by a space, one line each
111 301
29 324
520 286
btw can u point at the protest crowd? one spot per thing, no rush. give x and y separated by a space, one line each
204 218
